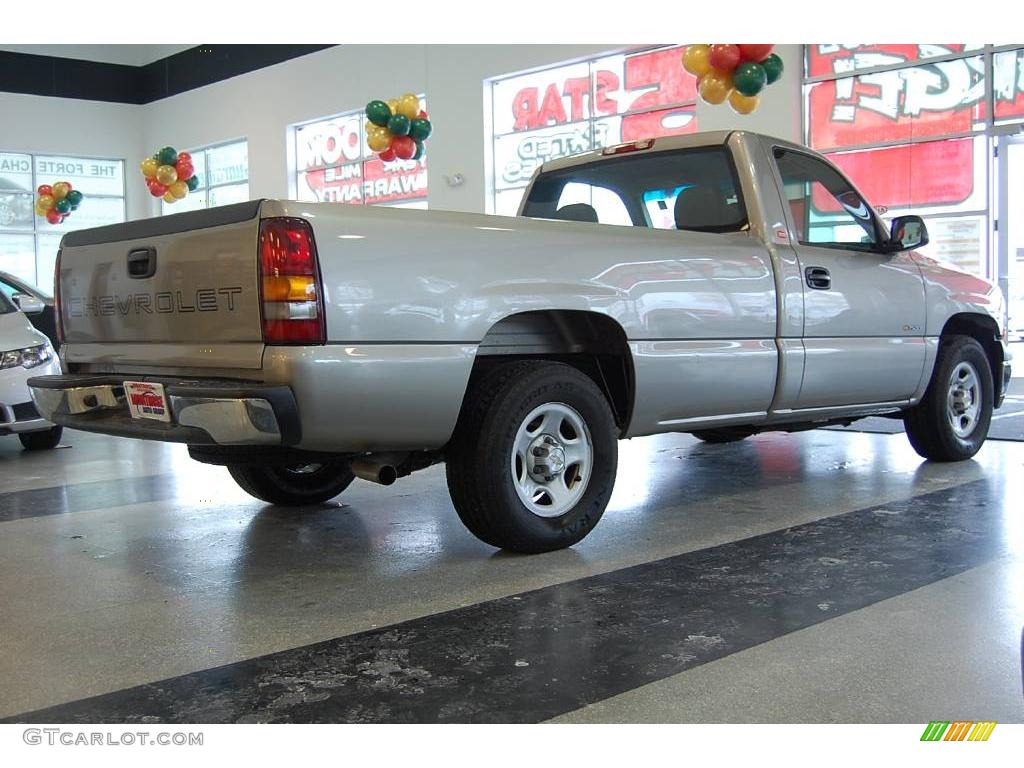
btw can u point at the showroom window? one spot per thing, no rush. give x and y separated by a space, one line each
223 173
333 164
28 243
910 126
573 108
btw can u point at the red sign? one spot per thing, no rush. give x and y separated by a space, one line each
369 183
903 177
833 58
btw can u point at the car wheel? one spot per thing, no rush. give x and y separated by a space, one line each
293 486
951 422
532 462
723 434
42 440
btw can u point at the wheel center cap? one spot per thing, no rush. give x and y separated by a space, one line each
961 400
546 459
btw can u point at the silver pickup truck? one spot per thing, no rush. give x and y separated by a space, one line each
721 284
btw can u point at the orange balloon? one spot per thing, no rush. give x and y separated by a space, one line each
715 86
695 59
743 105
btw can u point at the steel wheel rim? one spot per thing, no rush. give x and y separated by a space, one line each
552 459
963 399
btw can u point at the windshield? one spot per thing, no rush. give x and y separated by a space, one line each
691 189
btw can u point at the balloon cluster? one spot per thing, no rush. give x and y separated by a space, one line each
734 72
57 202
169 174
397 128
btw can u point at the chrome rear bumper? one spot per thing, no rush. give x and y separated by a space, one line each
203 412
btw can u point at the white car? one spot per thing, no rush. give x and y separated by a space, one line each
24 352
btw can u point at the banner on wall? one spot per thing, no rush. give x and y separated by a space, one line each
910 103
336 166
571 109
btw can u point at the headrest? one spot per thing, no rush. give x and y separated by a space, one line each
577 212
702 208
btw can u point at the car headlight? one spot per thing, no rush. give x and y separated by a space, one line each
29 357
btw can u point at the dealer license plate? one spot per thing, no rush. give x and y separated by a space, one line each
147 400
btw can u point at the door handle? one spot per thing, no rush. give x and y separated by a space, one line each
142 263
818 278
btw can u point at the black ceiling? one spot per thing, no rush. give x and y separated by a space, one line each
99 81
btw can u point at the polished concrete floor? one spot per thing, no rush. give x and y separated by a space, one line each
819 577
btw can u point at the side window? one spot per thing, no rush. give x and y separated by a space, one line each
588 202
7 289
826 209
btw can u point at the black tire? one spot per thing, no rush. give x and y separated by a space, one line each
480 456
44 440
722 434
929 424
293 486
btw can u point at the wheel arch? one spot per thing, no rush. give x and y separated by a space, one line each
592 342
983 329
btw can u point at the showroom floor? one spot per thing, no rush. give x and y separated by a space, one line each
818 577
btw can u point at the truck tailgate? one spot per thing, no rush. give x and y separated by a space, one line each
179 292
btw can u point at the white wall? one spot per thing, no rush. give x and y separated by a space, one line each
261 105
44 125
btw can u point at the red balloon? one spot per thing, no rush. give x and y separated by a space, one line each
184 169
724 56
404 147
388 155
53 216
184 156
423 115
45 189
69 185
755 51
156 189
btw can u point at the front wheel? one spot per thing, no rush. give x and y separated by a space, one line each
293 486
532 463
951 422
42 440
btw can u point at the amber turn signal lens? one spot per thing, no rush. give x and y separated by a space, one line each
289 288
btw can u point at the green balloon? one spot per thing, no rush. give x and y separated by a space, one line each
192 182
772 67
378 112
399 125
749 78
74 197
167 156
419 150
62 206
419 129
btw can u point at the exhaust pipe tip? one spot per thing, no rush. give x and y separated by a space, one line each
382 474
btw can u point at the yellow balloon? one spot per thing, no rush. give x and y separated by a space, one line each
743 105
40 211
696 59
169 197
409 105
149 166
166 175
714 87
378 142
46 202
179 189
374 130
393 104
60 190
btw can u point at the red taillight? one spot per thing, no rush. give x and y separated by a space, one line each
635 146
58 310
290 292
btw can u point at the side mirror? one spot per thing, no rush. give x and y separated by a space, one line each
30 305
907 233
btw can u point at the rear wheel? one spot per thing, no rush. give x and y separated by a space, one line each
42 440
532 463
293 486
951 422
